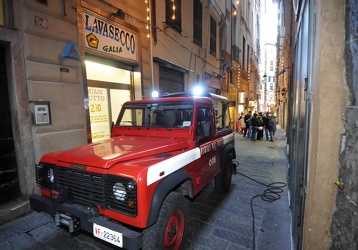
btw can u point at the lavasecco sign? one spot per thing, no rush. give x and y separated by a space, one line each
109 38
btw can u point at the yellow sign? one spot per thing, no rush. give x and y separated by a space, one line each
92 41
99 115
233 94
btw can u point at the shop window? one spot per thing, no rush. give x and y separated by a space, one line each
108 88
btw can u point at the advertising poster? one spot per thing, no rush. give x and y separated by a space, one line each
99 113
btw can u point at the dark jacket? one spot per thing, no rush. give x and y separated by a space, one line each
255 121
266 121
247 120
272 124
261 123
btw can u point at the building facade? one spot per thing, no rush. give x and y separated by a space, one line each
318 61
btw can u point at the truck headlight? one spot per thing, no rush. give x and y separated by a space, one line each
45 175
119 191
51 176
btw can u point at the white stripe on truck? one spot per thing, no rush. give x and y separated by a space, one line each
164 168
171 165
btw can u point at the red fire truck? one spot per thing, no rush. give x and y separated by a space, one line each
132 190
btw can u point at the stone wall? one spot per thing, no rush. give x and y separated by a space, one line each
344 226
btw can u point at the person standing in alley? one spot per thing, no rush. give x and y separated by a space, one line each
260 128
247 120
266 120
272 127
243 124
254 124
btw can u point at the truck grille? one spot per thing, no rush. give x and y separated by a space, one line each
84 188
90 189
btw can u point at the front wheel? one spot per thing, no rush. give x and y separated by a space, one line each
223 180
169 232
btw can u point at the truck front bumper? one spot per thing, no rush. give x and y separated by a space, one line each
76 217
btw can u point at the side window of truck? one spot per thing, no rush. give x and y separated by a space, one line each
203 122
222 116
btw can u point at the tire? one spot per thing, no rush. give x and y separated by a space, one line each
223 180
169 232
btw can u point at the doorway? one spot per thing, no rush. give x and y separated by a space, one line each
9 180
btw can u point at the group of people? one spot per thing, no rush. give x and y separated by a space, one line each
254 125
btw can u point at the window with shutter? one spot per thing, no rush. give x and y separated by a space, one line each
198 22
212 36
173 15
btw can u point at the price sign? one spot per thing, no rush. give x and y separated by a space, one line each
99 115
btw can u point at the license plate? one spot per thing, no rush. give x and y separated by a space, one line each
108 235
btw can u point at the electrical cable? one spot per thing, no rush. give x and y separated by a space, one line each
271 194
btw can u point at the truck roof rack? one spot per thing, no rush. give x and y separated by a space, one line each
189 94
183 94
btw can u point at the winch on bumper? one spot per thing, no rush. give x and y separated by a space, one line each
76 217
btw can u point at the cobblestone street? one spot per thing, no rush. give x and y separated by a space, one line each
216 222
225 222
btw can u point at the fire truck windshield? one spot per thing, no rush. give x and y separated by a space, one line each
168 115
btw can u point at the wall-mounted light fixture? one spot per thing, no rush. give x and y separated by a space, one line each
120 14
282 71
225 66
234 11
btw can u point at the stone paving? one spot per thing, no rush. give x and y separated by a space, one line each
216 221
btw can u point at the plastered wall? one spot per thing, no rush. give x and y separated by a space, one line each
344 226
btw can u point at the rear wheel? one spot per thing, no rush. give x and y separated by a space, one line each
223 180
169 232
